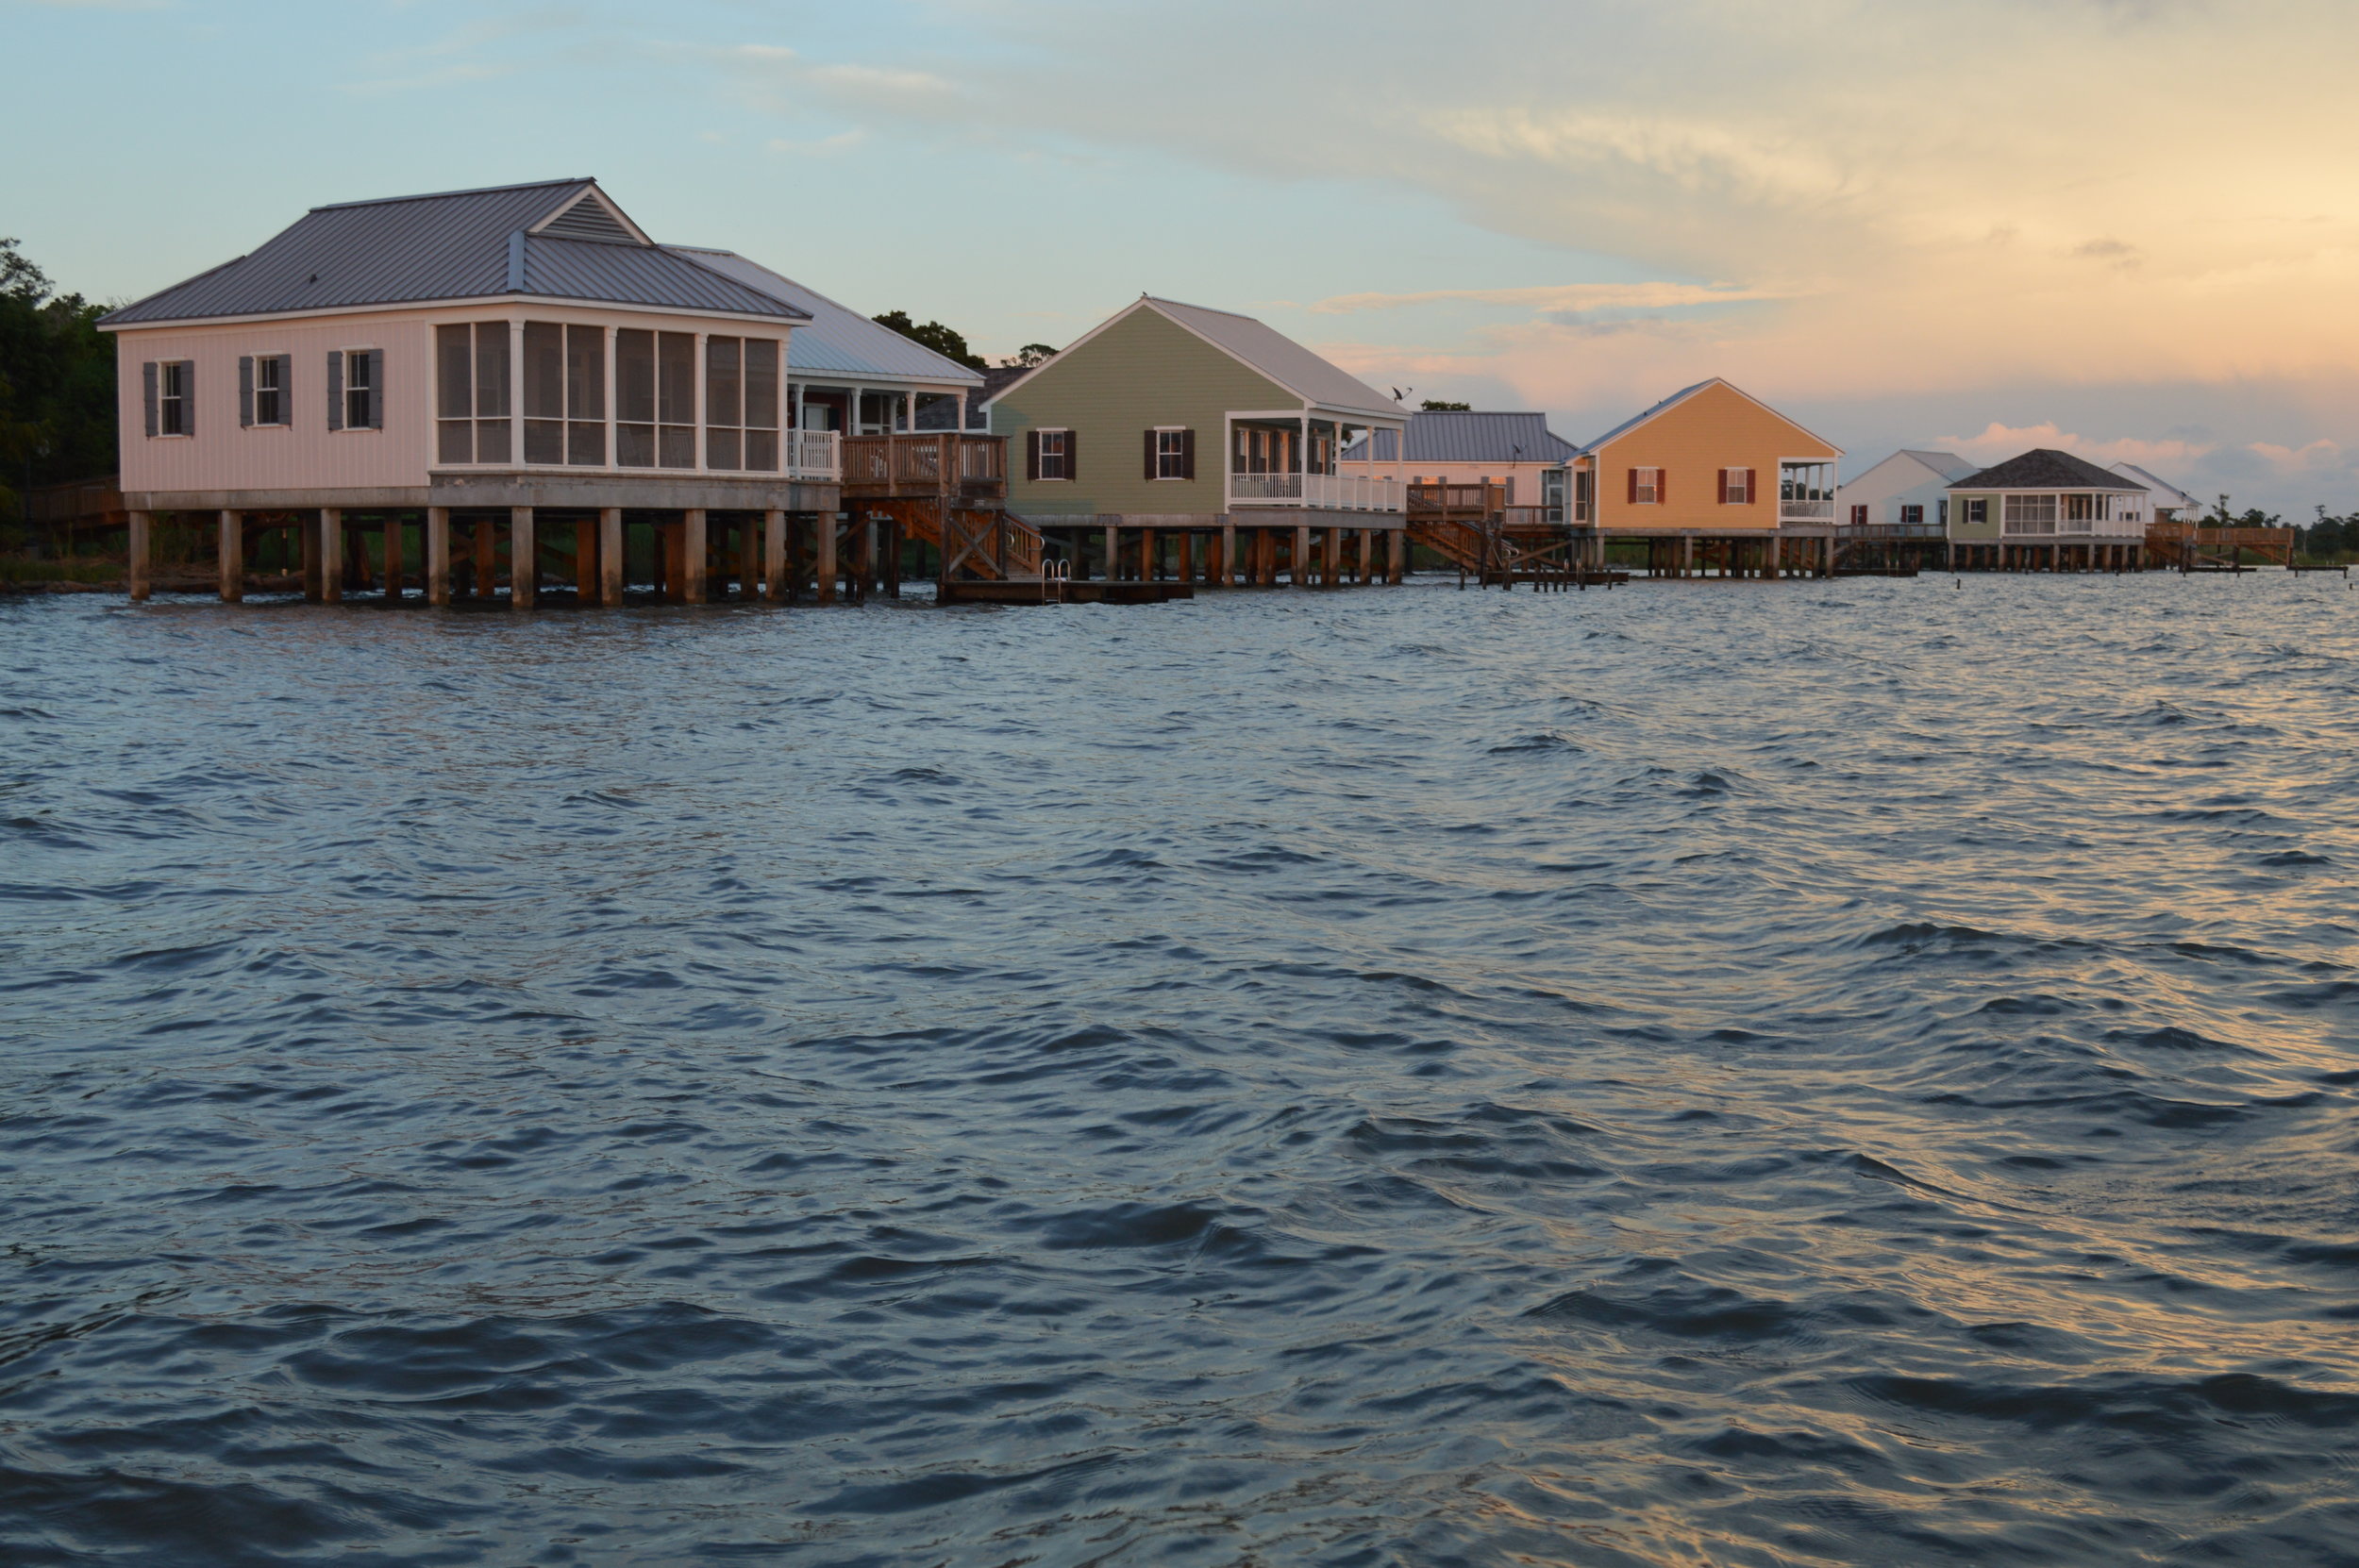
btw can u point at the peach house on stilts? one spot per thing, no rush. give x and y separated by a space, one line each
1710 479
507 388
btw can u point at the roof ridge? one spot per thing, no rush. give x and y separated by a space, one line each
473 191
1208 309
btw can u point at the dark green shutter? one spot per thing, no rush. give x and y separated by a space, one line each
1150 454
376 389
335 389
1187 454
147 387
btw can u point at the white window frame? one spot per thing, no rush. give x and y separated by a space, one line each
1908 521
1738 484
1174 458
279 392
1063 475
1648 485
176 401
366 427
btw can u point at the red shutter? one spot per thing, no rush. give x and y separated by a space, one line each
1662 487
1073 454
1724 487
1031 453
1633 487
1150 454
1752 492
1187 454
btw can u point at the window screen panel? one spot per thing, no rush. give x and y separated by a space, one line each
634 398
585 372
725 387
722 448
454 352
491 369
762 385
676 384
544 370
761 451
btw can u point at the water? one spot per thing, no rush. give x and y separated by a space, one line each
1733 1073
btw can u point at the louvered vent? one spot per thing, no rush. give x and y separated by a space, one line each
586 218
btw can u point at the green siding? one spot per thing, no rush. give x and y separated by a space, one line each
1144 371
1978 532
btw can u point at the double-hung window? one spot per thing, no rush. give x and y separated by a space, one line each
1645 486
471 394
1171 454
1976 510
1911 516
176 398
1736 487
564 394
742 403
263 385
356 376
1052 454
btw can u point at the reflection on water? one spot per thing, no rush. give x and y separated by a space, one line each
1805 1073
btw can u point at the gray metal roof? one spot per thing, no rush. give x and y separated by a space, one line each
1948 464
457 244
2161 489
838 341
2045 468
1458 436
1280 358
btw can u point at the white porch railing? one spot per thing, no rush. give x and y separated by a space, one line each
1805 511
1335 491
2074 527
815 454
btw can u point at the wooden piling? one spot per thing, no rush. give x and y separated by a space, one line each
611 555
331 526
229 556
827 526
438 555
692 548
524 558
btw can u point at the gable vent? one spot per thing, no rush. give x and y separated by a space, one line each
586 218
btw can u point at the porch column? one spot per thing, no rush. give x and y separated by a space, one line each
774 557
693 556
135 573
229 556
524 558
610 555
1302 556
438 555
331 528
826 529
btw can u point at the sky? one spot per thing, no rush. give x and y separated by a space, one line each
2129 228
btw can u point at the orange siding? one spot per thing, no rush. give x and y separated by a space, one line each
1718 427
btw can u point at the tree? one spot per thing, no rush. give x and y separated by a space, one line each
947 342
57 382
1438 405
1027 356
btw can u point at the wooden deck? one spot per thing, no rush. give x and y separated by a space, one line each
2191 548
944 465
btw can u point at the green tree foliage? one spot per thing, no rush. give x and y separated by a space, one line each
2332 538
57 383
1027 356
946 342
1439 405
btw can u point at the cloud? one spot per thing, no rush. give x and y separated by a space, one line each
445 76
1558 299
1998 442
